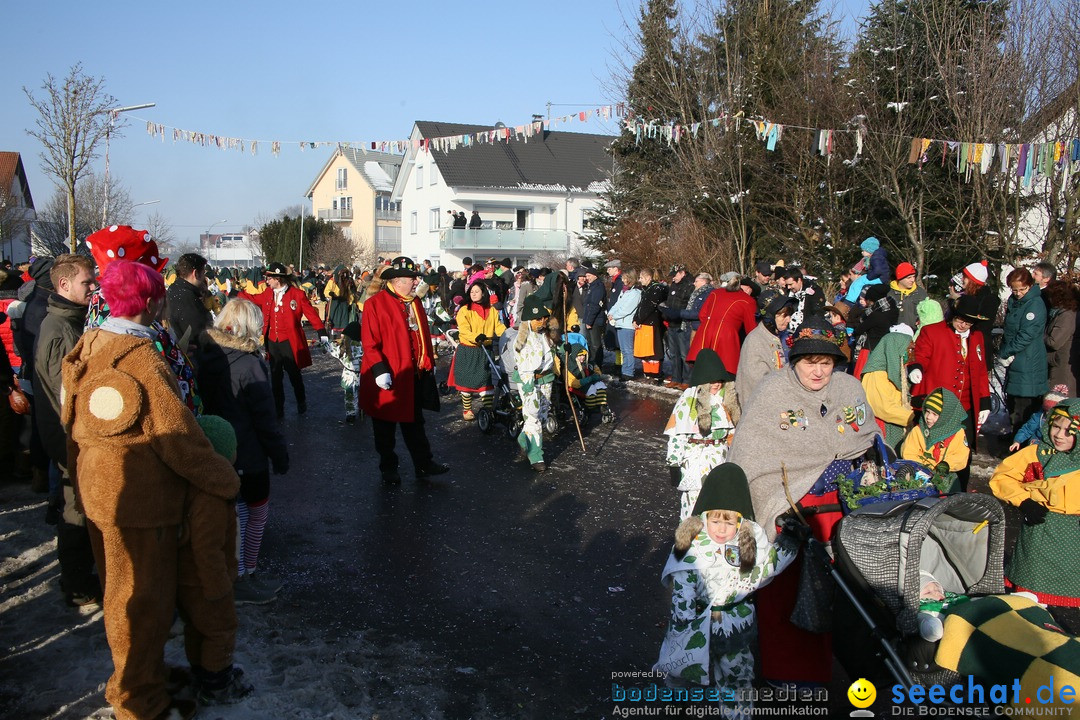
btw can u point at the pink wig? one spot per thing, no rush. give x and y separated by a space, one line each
127 286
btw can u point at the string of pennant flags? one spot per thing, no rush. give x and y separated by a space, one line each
1031 160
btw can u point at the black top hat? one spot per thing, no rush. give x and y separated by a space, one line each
968 307
401 267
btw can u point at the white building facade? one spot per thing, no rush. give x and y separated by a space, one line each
532 196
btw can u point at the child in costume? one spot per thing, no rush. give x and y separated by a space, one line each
350 353
533 374
700 427
939 436
206 569
720 557
1041 481
1031 431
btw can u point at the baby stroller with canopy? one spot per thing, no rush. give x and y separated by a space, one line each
883 551
588 391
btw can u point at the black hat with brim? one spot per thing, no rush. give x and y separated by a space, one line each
815 337
968 307
709 368
725 488
276 269
401 267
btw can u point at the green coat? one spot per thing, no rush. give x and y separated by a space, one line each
1025 322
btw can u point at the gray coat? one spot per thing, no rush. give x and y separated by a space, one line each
1062 353
59 334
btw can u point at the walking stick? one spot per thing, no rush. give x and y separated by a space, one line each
566 375
787 494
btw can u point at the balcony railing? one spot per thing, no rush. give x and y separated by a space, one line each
482 239
386 246
332 214
388 215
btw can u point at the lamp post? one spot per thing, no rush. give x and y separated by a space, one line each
113 114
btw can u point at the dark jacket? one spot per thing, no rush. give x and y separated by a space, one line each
187 313
679 293
648 312
59 334
594 304
1025 325
875 321
235 384
26 330
691 315
877 266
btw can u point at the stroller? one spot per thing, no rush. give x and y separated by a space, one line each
439 324
879 552
506 405
588 392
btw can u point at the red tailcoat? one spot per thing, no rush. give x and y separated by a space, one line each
726 317
389 348
938 352
281 323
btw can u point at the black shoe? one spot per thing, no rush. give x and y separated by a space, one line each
350 419
391 477
52 513
432 468
539 467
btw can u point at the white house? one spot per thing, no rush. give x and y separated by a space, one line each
532 195
16 208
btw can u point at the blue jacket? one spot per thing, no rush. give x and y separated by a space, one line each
622 312
594 304
1031 430
877 266
692 313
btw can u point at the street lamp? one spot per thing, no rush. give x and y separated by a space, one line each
219 222
113 114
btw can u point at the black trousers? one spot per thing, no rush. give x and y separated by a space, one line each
281 362
595 337
413 432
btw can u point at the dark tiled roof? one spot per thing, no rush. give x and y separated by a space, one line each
570 160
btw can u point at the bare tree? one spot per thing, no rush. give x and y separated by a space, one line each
73 117
159 227
334 249
51 236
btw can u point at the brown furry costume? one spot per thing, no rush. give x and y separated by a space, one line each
134 451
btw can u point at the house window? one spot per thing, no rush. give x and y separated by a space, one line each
434 175
433 219
342 178
419 177
412 222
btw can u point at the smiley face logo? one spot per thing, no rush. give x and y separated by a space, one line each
862 693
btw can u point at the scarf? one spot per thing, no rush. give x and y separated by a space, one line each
803 429
891 355
950 419
1060 463
120 326
414 316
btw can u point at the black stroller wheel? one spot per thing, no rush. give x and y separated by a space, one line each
551 424
515 425
485 420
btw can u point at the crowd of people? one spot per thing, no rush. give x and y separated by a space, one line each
137 370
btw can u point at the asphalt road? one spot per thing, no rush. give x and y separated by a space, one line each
535 587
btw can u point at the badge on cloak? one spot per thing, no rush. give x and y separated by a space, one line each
731 555
292 305
793 418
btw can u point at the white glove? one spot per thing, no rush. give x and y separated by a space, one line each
983 414
328 347
384 381
1006 362
915 376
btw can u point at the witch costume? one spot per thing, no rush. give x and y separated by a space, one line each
704 575
946 441
884 379
700 427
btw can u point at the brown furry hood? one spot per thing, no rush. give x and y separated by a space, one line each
228 340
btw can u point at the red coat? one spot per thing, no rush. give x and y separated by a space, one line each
726 317
388 348
937 352
282 322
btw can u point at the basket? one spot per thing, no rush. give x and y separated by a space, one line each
903 480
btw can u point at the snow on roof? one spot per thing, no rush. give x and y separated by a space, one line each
377 176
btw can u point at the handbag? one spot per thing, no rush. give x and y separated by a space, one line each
20 404
684 654
813 609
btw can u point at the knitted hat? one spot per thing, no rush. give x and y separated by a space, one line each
929 312
122 242
1056 395
875 292
904 269
815 337
977 272
401 267
870 244
221 435
39 271
533 308
725 488
935 401
709 368
755 289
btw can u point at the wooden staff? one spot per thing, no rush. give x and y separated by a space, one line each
787 494
566 371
